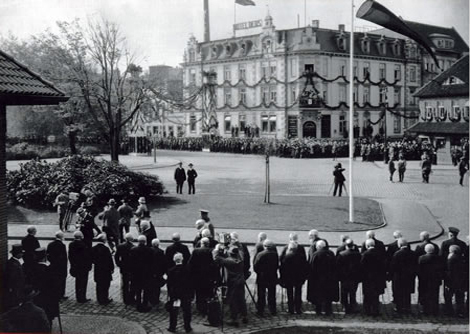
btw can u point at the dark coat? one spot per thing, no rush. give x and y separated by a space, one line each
14 283
453 241
245 255
180 175
14 320
234 266
177 247
57 256
313 247
322 277
123 257
46 282
293 269
348 265
338 175
419 250
455 273
180 283
391 166
150 234
266 266
29 243
258 249
87 226
79 257
201 265
141 258
403 270
379 247
430 272
462 167
192 174
343 248
159 263
103 261
373 270
300 250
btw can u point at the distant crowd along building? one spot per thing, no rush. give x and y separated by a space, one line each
260 91
444 111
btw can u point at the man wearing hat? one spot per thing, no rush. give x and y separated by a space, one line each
29 243
462 170
80 265
141 212
26 318
338 179
180 177
125 213
57 256
47 283
453 240
14 277
192 174
205 217
103 271
110 217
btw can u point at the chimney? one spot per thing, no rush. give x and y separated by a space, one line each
315 24
341 28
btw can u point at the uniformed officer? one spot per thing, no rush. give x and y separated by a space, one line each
192 175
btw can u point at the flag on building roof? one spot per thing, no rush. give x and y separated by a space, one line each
374 12
245 2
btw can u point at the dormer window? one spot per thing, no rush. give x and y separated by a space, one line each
267 46
214 52
243 49
365 45
452 81
382 46
341 41
442 41
396 48
228 49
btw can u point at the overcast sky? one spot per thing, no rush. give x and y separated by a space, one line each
159 29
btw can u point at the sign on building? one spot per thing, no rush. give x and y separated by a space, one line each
247 25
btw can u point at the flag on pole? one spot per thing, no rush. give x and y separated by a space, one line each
374 12
245 2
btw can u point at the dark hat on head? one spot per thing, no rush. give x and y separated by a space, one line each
454 230
40 253
16 249
191 165
203 211
180 163
338 165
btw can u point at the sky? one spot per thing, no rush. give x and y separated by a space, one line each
158 30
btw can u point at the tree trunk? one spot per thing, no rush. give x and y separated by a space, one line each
114 139
73 142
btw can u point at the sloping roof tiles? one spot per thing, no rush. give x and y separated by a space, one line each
436 88
458 128
19 85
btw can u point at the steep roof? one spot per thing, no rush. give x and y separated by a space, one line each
21 86
438 87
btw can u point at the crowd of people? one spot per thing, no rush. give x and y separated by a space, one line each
36 276
301 148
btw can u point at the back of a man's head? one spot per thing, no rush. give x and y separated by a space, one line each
78 235
31 230
293 237
155 243
205 242
370 234
349 243
397 234
320 244
262 236
402 242
129 237
429 248
176 237
142 240
424 236
206 233
370 243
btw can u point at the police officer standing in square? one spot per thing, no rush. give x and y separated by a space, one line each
192 174
180 177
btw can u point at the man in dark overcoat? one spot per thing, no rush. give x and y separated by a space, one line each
259 245
293 273
110 217
80 265
180 291
403 270
453 240
462 170
30 243
339 179
313 237
430 275
176 247
86 224
348 267
141 266
322 279
266 266
455 281
378 245
57 257
294 237
244 253
47 283
373 277
14 278
124 262
159 268
103 269
192 175
203 270
180 177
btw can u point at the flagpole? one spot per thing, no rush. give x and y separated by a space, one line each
351 115
234 17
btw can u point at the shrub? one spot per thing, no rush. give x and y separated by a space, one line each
25 151
90 150
38 183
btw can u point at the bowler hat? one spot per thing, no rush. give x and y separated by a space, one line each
454 230
190 165
338 165
16 249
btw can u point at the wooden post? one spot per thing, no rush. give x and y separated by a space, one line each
154 142
3 204
268 187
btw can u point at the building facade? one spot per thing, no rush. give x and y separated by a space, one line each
444 110
262 89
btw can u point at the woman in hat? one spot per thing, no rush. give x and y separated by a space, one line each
141 212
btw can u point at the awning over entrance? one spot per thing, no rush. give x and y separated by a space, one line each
436 128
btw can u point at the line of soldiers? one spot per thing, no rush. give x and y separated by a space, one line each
226 262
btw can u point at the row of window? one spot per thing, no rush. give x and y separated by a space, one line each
268 123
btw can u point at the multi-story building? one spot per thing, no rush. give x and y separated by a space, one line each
444 106
260 89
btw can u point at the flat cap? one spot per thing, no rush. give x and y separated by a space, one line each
454 230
